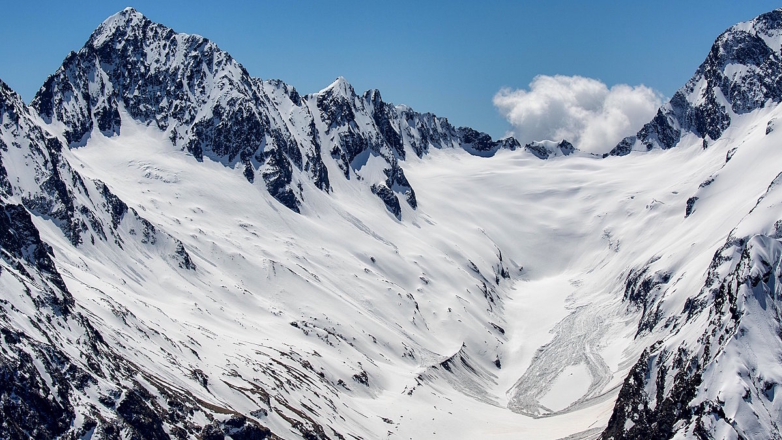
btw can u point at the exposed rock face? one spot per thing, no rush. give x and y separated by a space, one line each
741 73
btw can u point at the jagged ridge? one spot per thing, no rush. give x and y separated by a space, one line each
211 107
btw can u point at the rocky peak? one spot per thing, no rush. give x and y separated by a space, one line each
6 93
338 103
125 22
481 144
340 87
156 74
741 73
184 84
545 149
11 104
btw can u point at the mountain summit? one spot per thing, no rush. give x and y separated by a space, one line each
742 73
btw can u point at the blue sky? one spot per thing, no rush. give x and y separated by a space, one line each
445 57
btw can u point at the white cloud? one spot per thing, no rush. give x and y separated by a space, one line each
582 110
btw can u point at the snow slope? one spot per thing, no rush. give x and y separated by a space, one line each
631 296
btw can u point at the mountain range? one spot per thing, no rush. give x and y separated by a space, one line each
188 251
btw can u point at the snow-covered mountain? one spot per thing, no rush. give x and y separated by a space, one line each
209 105
716 373
192 252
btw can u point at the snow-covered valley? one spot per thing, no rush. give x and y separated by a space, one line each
508 296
